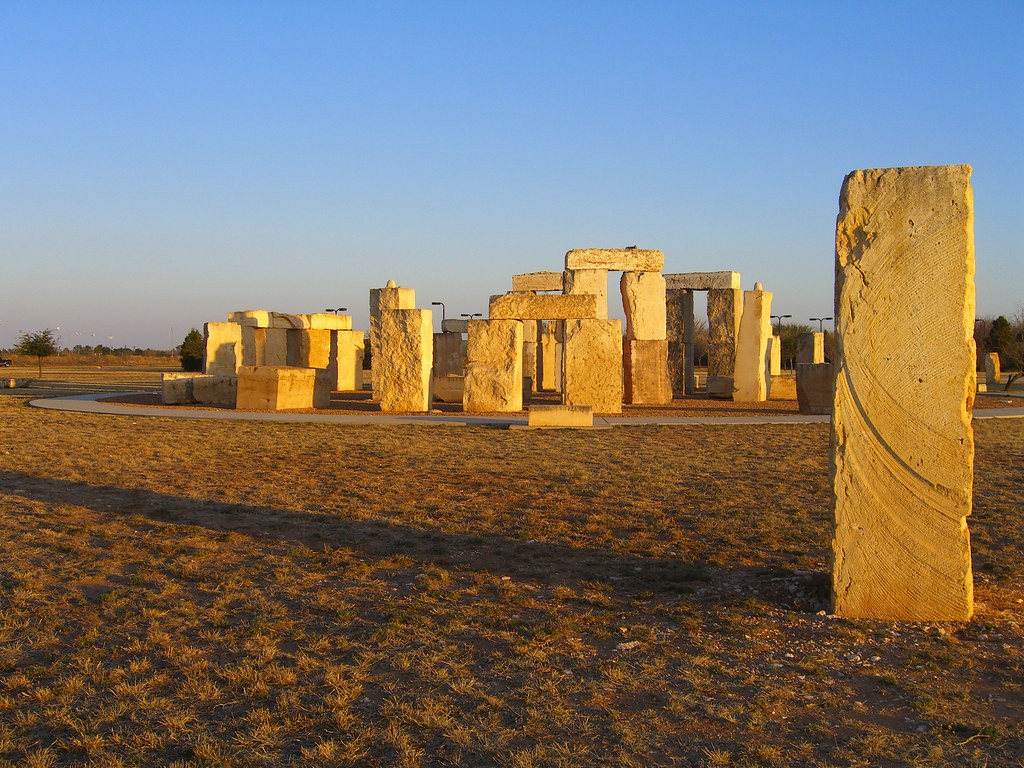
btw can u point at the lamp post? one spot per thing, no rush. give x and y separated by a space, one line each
441 305
778 325
336 311
820 321
472 315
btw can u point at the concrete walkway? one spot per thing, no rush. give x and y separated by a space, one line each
93 404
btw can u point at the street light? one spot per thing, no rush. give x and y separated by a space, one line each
336 311
472 315
820 321
778 325
441 305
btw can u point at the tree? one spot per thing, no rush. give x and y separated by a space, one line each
1007 339
192 351
39 344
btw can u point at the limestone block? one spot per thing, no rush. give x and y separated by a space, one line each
449 389
750 378
689 344
222 351
592 364
286 321
390 296
274 346
992 372
176 388
252 318
677 304
546 366
903 447
455 326
579 282
251 347
189 389
560 416
719 387
810 348
347 360
529 366
643 301
725 307
275 388
814 387
774 355
494 367
537 281
309 348
525 306
702 281
531 330
328 321
645 369
403 365
447 354
559 358
782 386
615 259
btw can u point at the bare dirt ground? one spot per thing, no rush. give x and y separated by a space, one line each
204 593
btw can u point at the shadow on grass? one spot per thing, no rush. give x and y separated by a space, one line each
540 561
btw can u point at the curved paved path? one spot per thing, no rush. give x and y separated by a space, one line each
95 404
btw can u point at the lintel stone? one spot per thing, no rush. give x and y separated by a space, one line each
524 306
615 259
701 281
537 281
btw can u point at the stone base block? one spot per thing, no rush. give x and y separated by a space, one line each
783 386
560 416
276 388
814 387
592 364
719 387
645 372
449 389
190 389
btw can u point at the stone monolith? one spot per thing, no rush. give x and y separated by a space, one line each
589 281
725 307
405 360
222 351
751 378
592 364
810 348
992 372
903 448
390 296
494 367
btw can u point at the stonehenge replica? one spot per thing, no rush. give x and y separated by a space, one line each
900 387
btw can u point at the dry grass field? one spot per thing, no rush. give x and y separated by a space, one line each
205 593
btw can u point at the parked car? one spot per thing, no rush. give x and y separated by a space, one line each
4 362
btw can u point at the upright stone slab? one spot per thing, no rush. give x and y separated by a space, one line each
405 361
725 307
615 259
546 358
810 348
494 368
274 345
389 297
309 348
589 281
643 301
222 351
645 372
774 356
351 346
592 364
993 375
903 448
675 313
447 354
814 387
751 379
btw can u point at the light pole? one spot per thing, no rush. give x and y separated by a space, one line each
778 326
336 311
820 321
472 315
441 305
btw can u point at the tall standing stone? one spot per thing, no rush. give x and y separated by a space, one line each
725 307
389 297
592 364
810 348
494 367
903 448
751 377
222 349
677 302
645 348
993 375
406 343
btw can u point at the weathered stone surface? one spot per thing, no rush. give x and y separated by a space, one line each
404 364
309 348
222 351
447 354
810 348
725 307
774 356
579 282
560 416
252 318
547 366
537 281
191 389
530 380
903 448
702 281
274 345
993 375
676 304
592 364
275 388
454 326
449 389
286 321
643 301
782 386
531 330
615 259
494 367
814 387
750 378
347 360
645 368
389 297
328 321
525 306
719 387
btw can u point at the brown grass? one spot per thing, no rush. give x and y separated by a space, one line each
255 594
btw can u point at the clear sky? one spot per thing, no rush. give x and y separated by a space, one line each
164 163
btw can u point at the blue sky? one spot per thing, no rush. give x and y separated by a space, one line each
165 163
